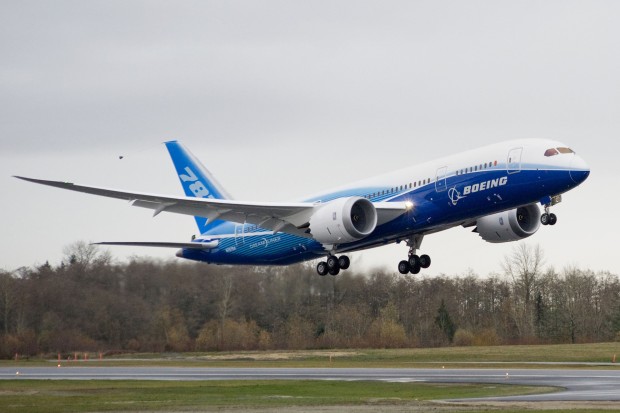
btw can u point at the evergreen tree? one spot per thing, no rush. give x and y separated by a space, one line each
444 322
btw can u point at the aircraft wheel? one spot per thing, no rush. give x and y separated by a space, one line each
321 268
552 219
416 269
425 261
544 219
344 262
332 262
334 271
403 267
414 261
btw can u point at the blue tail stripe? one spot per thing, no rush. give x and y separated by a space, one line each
196 181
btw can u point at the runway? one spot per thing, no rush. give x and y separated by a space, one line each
579 385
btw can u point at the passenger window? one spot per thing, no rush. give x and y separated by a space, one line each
551 152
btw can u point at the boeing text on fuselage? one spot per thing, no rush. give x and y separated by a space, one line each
483 186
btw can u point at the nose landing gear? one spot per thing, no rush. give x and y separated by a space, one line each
548 218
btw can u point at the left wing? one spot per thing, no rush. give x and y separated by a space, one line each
290 218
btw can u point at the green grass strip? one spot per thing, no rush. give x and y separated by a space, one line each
34 396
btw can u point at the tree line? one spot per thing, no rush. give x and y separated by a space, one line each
91 303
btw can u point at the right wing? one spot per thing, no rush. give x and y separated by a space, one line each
290 218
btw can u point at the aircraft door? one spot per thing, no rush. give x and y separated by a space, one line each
440 179
239 234
513 165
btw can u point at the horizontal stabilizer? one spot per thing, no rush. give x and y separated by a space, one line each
190 245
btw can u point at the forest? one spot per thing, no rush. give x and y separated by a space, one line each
91 302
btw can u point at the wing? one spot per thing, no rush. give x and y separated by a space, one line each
290 218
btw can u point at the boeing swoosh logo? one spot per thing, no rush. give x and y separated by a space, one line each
454 195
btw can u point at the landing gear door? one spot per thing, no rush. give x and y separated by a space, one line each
513 164
440 179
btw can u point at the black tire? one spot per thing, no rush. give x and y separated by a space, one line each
552 219
321 268
344 262
334 271
425 261
544 219
403 267
414 261
415 270
332 262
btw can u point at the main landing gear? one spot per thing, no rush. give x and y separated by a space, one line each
333 265
414 263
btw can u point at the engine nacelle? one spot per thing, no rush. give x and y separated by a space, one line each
511 225
343 220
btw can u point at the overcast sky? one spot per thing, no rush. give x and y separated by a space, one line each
281 99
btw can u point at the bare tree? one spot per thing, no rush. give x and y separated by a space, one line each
524 268
85 255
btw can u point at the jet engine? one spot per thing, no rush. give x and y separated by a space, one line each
511 225
343 220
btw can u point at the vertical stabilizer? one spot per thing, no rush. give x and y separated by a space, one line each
196 180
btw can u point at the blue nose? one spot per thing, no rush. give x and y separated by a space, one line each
579 176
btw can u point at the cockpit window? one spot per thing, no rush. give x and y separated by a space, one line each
551 152
565 150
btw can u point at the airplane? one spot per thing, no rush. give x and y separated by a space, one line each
495 190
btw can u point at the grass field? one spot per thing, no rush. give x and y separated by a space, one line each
34 396
493 356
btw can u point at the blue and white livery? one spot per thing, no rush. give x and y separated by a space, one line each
494 189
